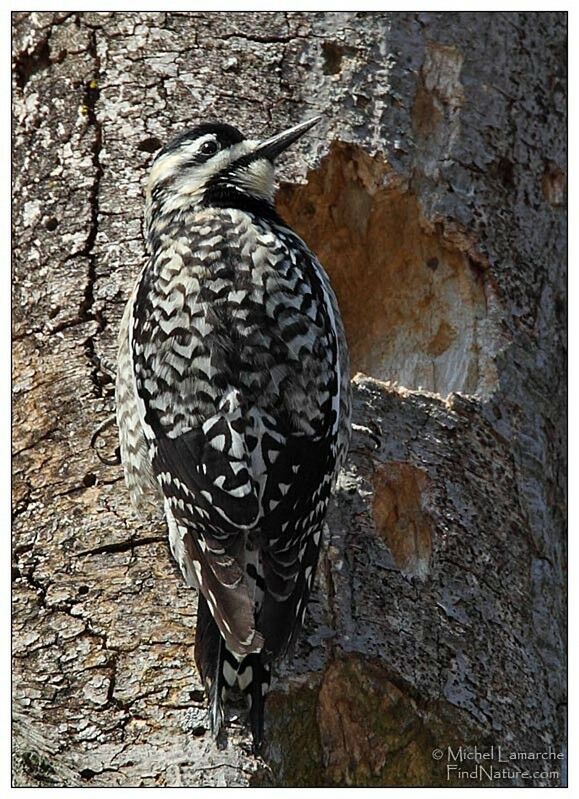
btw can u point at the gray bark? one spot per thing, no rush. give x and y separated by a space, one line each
434 193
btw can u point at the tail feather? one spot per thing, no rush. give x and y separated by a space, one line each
210 657
254 677
217 693
220 670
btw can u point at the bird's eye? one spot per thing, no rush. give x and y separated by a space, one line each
209 147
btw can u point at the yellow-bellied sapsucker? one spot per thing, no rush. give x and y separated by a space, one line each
233 399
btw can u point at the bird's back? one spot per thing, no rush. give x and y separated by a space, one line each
243 305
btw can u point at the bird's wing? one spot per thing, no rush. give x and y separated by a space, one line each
143 487
195 433
213 499
297 494
240 414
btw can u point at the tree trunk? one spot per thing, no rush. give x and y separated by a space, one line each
434 194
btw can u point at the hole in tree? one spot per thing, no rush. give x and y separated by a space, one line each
28 64
149 145
333 54
415 308
332 58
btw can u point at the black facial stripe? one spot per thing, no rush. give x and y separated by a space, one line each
223 196
220 183
195 160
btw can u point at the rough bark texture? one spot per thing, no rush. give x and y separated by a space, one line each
434 193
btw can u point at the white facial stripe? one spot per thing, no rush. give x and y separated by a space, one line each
166 165
242 148
258 178
172 162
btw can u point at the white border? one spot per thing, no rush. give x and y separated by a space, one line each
5 359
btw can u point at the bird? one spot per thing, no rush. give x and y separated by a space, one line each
233 400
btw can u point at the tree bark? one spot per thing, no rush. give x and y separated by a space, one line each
434 193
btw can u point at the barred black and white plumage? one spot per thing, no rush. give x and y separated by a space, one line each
233 399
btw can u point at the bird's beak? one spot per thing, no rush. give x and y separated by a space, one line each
271 148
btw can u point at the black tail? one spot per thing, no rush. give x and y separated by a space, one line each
209 657
220 670
254 676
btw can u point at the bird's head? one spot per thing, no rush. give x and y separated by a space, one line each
214 165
